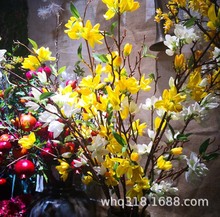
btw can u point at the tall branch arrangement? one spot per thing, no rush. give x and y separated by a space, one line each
89 127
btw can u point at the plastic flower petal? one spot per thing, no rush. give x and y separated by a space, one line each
63 169
163 164
27 142
56 127
92 34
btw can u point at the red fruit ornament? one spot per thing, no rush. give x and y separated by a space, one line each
6 137
5 146
46 69
72 83
3 181
28 122
30 74
24 168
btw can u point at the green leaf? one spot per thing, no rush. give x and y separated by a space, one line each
74 11
100 58
7 91
62 69
190 22
204 146
33 43
113 26
124 149
46 95
119 139
145 52
183 137
79 51
212 156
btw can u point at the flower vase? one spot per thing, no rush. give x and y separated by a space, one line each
62 202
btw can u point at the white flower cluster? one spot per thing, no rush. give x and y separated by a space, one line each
196 169
182 35
216 55
200 111
163 189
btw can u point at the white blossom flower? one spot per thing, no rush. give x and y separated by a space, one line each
172 43
149 103
188 35
170 137
42 76
82 160
2 53
196 169
162 189
151 134
49 115
98 147
216 55
143 148
210 102
32 105
56 128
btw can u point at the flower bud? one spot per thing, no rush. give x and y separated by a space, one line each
177 151
117 61
134 156
127 49
179 61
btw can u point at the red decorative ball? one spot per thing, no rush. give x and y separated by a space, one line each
3 181
5 146
28 122
24 168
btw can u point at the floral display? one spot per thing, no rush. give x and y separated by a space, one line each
88 131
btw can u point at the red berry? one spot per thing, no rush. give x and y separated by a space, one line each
72 83
5 146
24 168
30 74
28 122
3 181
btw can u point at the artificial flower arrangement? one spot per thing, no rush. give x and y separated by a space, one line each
53 129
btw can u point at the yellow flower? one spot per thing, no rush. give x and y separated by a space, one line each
177 151
134 156
138 187
194 84
114 97
128 84
163 164
110 179
31 62
144 83
87 179
127 49
91 82
115 6
63 169
92 34
214 19
44 54
179 62
181 3
124 168
157 123
171 100
138 128
27 142
75 28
